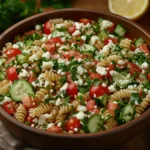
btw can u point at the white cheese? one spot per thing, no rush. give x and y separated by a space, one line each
101 70
15 46
33 57
81 108
112 88
106 24
144 66
80 59
50 125
121 62
37 27
59 124
64 87
48 64
81 70
83 37
104 85
58 102
80 115
93 39
76 129
46 83
112 72
6 99
137 50
60 25
43 118
33 84
23 73
77 32
46 55
26 51
80 81
25 65
44 39
78 25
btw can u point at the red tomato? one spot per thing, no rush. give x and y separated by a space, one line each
55 56
47 27
96 76
71 29
90 105
12 52
134 68
9 108
54 129
72 90
114 40
110 68
72 53
128 36
50 47
27 102
55 40
112 107
132 48
32 77
111 29
77 40
11 74
98 90
144 48
73 123
85 21
69 78
29 119
29 32
96 111
148 76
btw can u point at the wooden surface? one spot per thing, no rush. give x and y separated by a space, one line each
141 141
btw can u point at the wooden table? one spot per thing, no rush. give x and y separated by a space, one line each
141 141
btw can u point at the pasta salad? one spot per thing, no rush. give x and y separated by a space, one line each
75 77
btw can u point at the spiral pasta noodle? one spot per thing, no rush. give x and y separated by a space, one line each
51 77
143 105
66 109
125 93
4 86
41 109
37 43
106 61
106 115
56 21
60 118
98 45
39 95
20 113
68 23
54 112
110 124
125 43
84 97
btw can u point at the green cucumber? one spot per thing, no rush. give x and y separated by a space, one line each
139 42
87 49
95 123
21 88
21 59
103 35
102 100
2 76
2 60
120 30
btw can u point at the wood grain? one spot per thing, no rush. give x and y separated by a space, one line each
141 141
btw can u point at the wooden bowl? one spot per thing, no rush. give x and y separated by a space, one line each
42 139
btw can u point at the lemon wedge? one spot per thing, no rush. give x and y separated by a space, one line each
131 9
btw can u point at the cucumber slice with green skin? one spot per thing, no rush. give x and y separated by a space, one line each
95 123
139 42
88 49
2 76
21 59
103 35
19 89
120 30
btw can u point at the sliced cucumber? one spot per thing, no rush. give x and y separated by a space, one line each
103 35
102 100
19 89
2 60
2 76
120 30
139 42
21 59
87 49
95 123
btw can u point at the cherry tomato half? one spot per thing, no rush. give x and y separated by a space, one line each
72 29
134 68
29 119
72 90
112 107
9 108
114 40
12 74
144 48
27 102
12 52
47 27
90 105
54 129
148 76
85 21
96 76
111 29
73 123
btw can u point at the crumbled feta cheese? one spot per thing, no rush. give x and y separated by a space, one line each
80 81
83 37
44 39
81 108
42 118
106 24
101 70
80 59
48 64
144 66
80 115
60 25
15 46
76 129
77 32
131 87
137 50
80 70
60 60
104 85
50 125
35 120
145 90
33 57
46 55
63 39
59 34
26 51
37 27
46 83
95 106
78 25
58 102
64 87
121 62
58 44
25 65
59 124
93 39
112 88
33 84
115 102
6 99
88 25
112 72
94 95
23 73
51 90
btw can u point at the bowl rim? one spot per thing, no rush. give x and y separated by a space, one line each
118 129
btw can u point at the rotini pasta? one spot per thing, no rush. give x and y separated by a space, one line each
4 86
39 95
51 77
125 43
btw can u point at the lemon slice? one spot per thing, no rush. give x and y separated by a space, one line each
131 9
